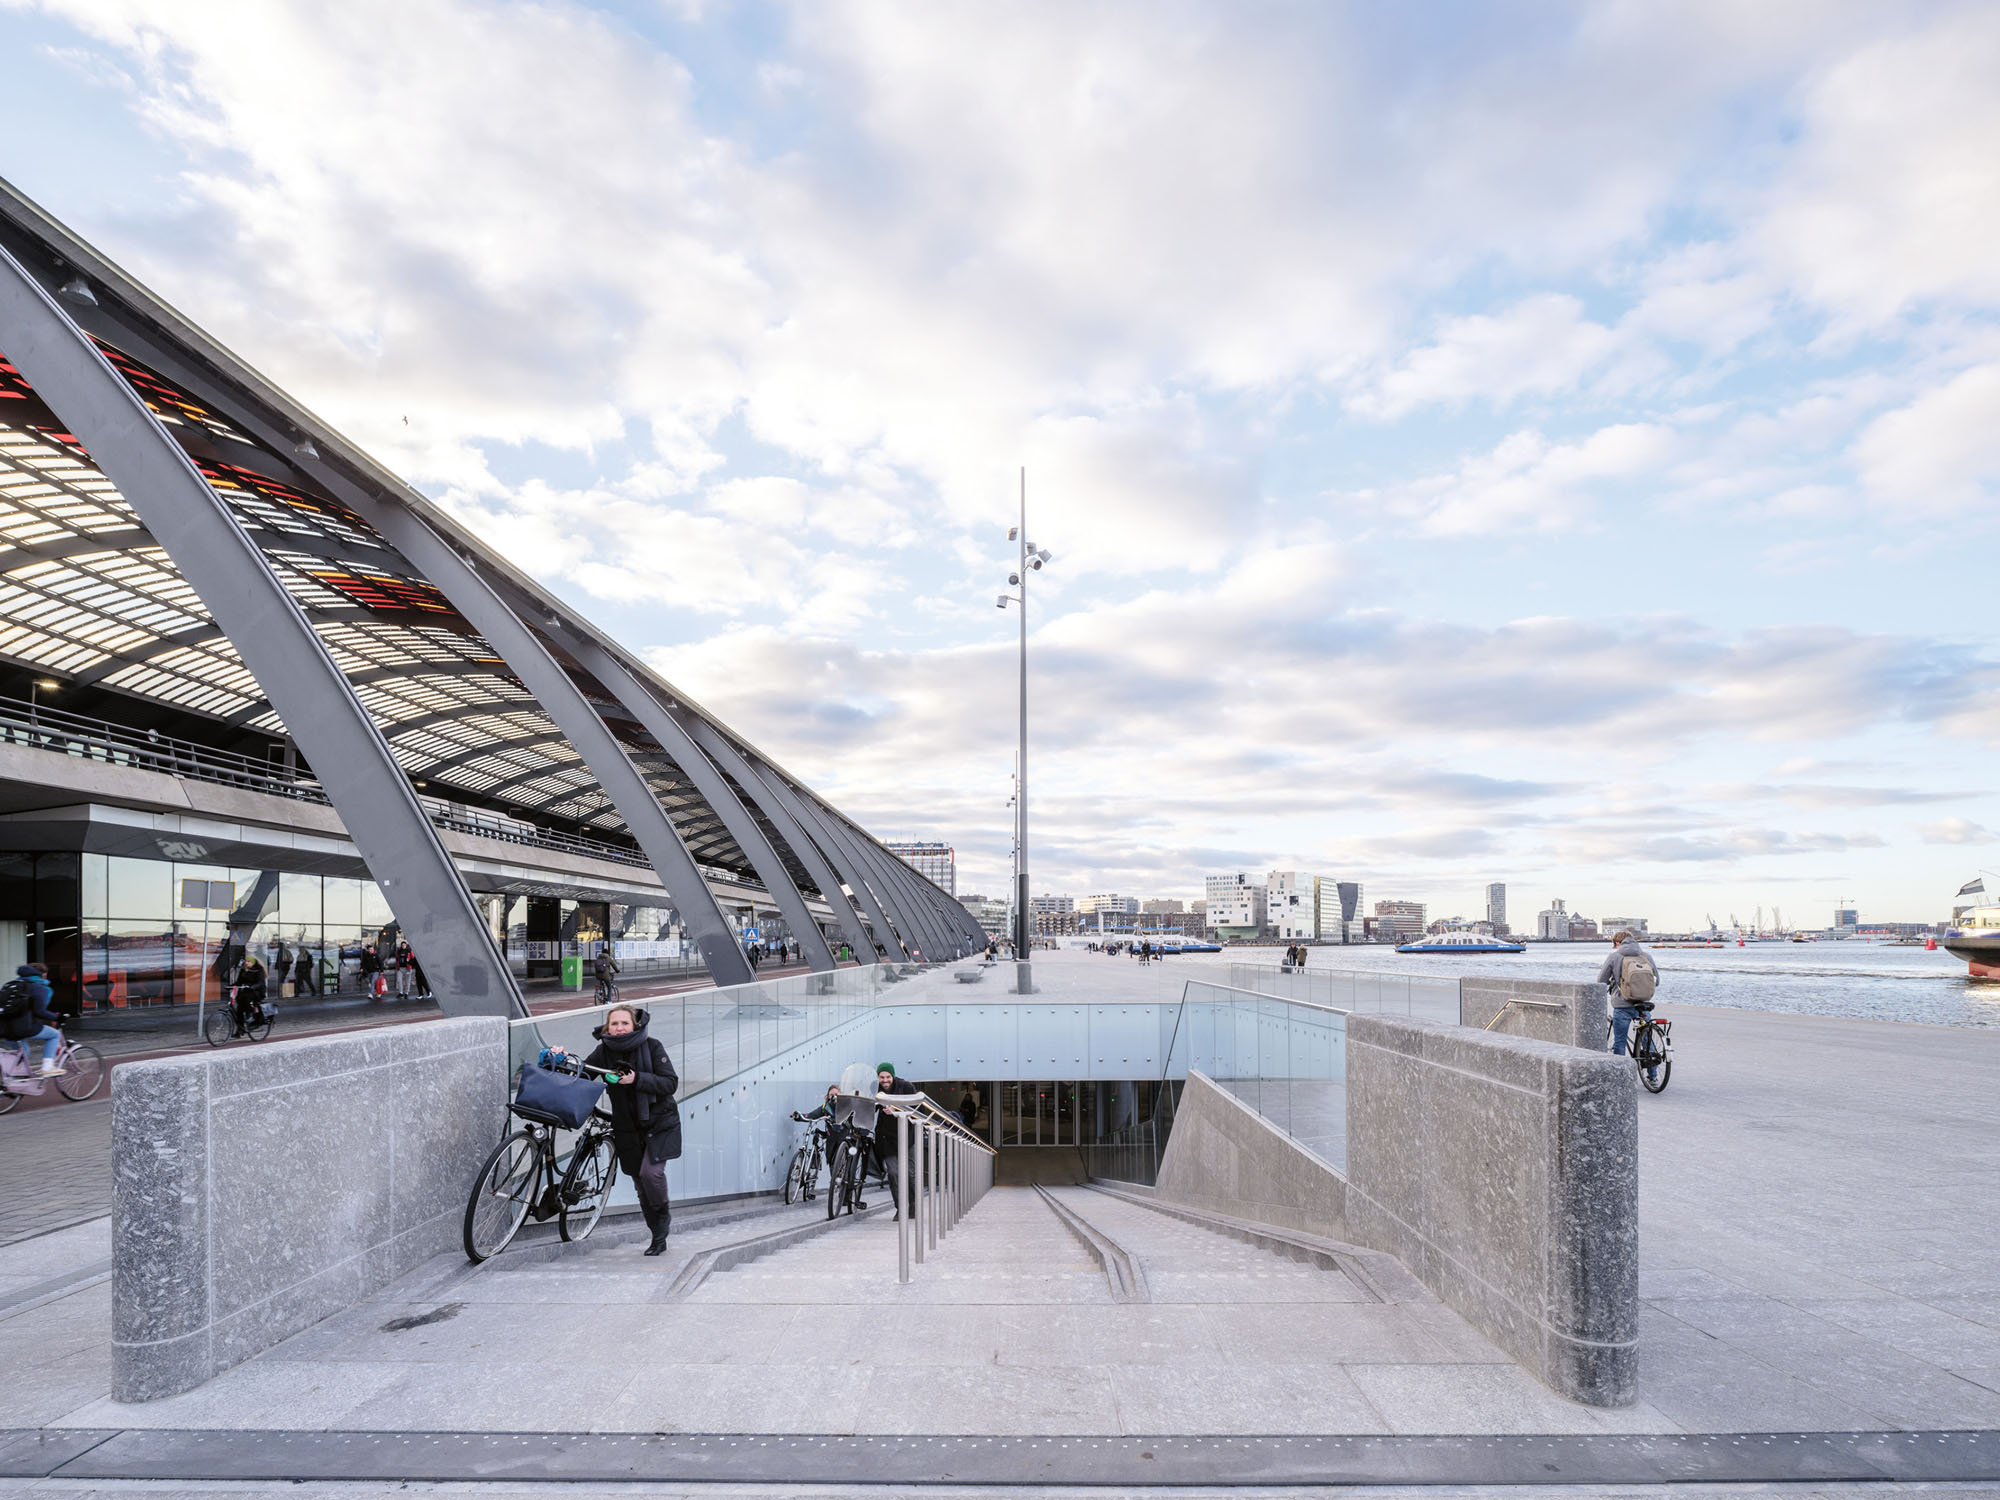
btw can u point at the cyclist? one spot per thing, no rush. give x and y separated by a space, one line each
835 1131
27 1014
605 968
252 984
1629 975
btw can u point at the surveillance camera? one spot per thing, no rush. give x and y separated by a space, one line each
1035 563
1013 580
1043 555
1013 532
1001 602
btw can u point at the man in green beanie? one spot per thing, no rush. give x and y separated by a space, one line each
886 1082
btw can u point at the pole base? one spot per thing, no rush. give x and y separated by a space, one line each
1024 979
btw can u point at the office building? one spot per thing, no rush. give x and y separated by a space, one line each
1553 924
1496 907
1399 920
937 863
1236 905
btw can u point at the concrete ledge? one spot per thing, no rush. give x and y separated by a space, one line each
1579 1021
1226 1158
259 1190
1504 1173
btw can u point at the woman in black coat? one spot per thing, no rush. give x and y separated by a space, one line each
645 1121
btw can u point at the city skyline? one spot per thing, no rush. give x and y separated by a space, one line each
1573 478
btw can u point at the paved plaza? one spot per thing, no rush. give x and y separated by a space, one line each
1816 1238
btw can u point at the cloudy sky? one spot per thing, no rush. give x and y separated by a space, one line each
1555 444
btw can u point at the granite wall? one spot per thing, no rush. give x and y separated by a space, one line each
1225 1157
1576 1015
259 1189
1503 1171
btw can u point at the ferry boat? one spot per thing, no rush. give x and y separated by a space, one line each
1461 942
1974 933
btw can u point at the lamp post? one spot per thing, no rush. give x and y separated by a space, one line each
36 687
1031 560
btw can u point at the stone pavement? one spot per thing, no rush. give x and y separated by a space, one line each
55 1167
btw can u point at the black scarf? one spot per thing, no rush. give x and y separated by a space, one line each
624 1048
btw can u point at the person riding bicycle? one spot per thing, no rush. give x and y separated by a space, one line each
252 984
645 1120
604 968
1631 978
27 1014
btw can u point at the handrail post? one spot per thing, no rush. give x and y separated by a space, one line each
931 1215
903 1198
913 1191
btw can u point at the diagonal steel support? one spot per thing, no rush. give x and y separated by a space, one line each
725 755
837 852
270 633
653 717
903 881
896 898
560 698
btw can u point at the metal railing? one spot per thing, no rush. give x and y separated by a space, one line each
953 1169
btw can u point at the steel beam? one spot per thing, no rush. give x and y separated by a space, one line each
901 879
270 632
563 701
725 755
888 890
838 854
640 702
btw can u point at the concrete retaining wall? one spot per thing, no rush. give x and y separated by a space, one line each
1504 1173
1580 1020
1225 1157
258 1190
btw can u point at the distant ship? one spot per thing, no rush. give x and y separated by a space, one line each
1461 942
1974 933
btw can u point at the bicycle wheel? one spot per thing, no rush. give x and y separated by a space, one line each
259 1028
810 1188
1655 1067
216 1028
8 1101
795 1176
83 1075
501 1195
592 1168
838 1180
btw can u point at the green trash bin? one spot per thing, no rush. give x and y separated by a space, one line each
572 972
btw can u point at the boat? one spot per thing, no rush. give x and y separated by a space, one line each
1974 931
1461 943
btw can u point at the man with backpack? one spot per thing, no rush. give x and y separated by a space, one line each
27 1014
1633 979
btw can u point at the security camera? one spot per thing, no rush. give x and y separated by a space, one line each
1014 580
1035 563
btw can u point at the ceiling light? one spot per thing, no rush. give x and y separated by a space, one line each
76 289
305 449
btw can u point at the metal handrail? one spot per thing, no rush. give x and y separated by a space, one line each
958 1176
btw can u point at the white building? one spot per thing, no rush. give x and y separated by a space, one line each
1553 924
1291 906
1340 916
1046 905
937 863
1236 905
1111 905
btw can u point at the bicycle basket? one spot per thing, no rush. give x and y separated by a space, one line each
554 1098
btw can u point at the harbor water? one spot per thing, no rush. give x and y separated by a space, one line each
1856 979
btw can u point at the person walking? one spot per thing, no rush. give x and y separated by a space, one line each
1631 978
886 1082
371 969
403 966
640 1082
305 972
27 1014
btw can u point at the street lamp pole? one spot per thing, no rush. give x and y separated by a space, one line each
1024 925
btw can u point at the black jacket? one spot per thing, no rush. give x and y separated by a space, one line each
646 1108
885 1123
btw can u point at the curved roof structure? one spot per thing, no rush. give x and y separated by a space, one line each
179 533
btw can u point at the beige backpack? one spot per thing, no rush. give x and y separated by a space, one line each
1637 981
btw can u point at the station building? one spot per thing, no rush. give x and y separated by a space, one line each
256 693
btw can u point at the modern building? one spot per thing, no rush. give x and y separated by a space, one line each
1046 904
990 912
1496 907
1160 908
1610 925
1341 919
1292 906
1846 918
1235 905
1553 924
936 862
258 693
1109 905
1399 920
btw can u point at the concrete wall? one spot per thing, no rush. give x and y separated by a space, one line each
1580 1020
1225 1157
260 1189
1504 1173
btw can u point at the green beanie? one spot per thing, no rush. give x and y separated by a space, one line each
889 1068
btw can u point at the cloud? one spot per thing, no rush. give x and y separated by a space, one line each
1939 455
1956 831
1540 346
1529 481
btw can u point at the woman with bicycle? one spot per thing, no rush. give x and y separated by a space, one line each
645 1121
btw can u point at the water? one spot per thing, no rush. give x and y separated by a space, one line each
1868 981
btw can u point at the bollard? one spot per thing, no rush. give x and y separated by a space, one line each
903 1198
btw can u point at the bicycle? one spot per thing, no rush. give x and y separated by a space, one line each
228 1022
82 1074
802 1179
1650 1041
523 1179
607 989
851 1169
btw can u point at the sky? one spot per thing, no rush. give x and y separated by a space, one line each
1549 443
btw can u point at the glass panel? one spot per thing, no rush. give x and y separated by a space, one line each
300 908
140 890
94 896
340 900
375 911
